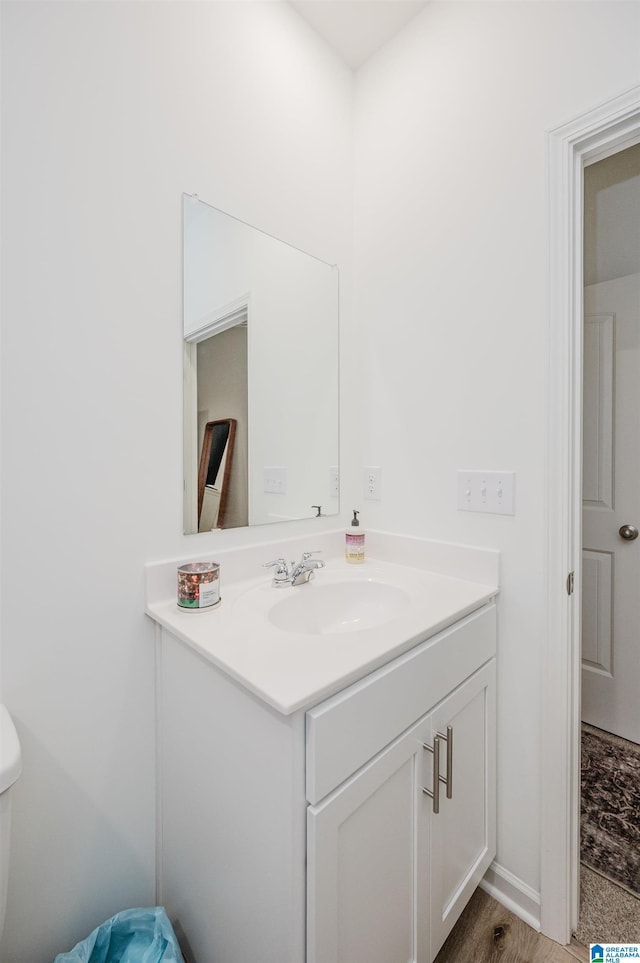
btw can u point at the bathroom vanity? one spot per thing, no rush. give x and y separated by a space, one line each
338 815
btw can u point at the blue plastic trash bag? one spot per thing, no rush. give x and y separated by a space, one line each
133 936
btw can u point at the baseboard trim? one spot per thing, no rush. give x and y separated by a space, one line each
513 894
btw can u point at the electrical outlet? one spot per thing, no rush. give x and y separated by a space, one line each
373 482
486 491
334 482
275 480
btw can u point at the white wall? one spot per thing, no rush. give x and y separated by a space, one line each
110 112
451 278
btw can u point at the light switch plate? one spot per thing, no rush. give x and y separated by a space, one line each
486 491
275 480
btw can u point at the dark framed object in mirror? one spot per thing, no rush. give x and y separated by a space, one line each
215 469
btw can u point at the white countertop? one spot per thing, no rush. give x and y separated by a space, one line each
291 670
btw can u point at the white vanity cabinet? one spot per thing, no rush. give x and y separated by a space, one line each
390 868
387 876
308 837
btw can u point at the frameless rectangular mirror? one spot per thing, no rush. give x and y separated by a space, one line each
261 358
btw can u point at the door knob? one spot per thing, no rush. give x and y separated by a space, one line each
629 532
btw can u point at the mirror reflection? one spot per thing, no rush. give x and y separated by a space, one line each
261 364
215 470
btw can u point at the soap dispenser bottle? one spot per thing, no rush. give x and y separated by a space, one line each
354 541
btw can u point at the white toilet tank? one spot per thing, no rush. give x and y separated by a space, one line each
10 769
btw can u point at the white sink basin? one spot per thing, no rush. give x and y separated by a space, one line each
331 608
338 601
295 645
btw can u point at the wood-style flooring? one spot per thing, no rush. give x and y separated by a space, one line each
488 933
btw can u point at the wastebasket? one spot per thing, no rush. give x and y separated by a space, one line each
132 936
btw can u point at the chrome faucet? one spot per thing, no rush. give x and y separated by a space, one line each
303 571
295 573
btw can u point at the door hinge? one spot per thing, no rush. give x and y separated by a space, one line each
570 583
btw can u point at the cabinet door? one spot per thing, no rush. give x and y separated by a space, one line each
361 872
463 832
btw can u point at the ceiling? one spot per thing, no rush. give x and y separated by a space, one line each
357 28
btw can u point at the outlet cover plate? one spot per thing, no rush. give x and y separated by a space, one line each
372 482
334 482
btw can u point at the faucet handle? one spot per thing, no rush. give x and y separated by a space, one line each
281 574
307 555
282 566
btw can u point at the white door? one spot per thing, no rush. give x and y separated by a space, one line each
611 508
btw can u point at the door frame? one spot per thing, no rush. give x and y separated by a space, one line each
603 131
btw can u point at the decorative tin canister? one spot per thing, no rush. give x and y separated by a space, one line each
198 585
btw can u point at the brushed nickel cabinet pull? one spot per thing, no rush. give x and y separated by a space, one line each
434 793
448 779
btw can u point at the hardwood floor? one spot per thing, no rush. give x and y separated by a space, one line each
487 933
